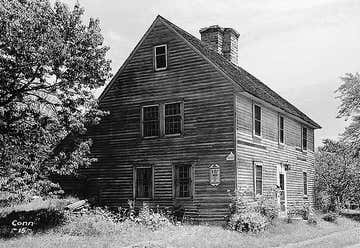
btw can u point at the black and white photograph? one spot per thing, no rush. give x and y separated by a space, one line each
167 124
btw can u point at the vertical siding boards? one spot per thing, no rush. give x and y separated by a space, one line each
268 151
208 127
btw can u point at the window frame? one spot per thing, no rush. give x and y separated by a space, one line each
166 58
255 165
163 124
190 183
254 120
281 129
305 183
142 121
304 148
135 183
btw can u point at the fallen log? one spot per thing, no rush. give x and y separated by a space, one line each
76 205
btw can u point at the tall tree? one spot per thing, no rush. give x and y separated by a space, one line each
349 94
50 64
336 174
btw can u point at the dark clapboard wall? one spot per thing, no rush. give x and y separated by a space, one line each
208 129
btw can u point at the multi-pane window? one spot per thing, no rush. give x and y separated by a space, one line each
304 138
160 59
150 118
144 182
183 181
258 179
281 129
305 183
162 119
257 120
173 118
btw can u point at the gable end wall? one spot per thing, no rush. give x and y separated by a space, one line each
208 129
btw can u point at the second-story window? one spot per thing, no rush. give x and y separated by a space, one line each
281 129
173 118
304 138
257 120
160 57
150 118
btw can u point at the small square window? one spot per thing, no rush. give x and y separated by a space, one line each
257 120
160 59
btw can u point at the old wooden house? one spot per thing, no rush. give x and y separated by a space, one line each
187 126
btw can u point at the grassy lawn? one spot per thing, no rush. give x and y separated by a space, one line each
187 236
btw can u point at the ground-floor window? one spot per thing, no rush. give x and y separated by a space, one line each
144 182
182 181
305 183
258 182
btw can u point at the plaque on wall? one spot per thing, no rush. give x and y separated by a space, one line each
230 157
214 175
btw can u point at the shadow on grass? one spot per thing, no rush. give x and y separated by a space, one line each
351 214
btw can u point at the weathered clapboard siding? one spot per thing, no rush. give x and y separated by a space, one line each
271 153
208 128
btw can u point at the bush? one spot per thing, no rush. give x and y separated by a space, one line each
330 217
147 217
89 223
102 221
267 206
252 215
248 222
312 220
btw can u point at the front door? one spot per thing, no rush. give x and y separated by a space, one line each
282 190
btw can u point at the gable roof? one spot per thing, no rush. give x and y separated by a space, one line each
241 77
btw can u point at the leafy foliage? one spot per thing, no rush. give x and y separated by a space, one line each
249 214
50 63
251 221
148 218
267 205
336 175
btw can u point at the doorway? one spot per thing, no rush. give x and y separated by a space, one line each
281 183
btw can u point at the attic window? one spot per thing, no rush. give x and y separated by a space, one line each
160 57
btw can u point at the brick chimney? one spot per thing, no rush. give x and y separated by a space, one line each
222 40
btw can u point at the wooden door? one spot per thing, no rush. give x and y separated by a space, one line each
281 180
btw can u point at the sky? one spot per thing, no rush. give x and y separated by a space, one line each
300 49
